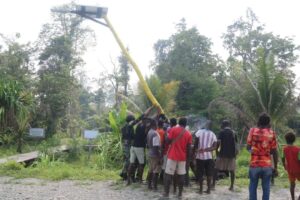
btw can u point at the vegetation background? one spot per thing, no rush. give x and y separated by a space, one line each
42 84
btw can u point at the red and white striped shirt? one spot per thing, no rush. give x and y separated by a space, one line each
206 140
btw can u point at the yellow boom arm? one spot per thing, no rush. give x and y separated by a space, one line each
135 67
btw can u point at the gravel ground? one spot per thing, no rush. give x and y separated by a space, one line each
35 189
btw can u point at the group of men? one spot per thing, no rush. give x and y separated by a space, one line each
171 151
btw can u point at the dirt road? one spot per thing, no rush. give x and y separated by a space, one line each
35 189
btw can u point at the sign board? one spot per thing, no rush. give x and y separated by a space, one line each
90 134
37 132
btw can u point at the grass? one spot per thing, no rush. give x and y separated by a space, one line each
55 170
76 165
30 145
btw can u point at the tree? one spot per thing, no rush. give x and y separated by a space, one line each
267 90
15 61
259 75
125 68
165 93
187 57
245 36
16 106
61 45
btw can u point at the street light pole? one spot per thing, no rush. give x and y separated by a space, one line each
135 66
91 12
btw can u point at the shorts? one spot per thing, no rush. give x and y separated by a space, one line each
154 165
173 166
225 164
205 167
137 153
294 176
164 162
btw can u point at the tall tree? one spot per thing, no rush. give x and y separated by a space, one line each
187 57
15 60
259 68
125 68
268 89
245 36
61 45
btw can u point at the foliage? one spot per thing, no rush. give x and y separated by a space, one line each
15 61
245 36
259 78
61 44
187 57
125 68
110 144
50 169
165 93
12 166
16 104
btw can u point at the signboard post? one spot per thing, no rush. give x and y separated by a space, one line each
90 135
37 133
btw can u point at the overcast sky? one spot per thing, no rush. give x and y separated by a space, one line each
140 23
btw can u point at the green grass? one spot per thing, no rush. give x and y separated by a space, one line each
50 169
77 166
31 145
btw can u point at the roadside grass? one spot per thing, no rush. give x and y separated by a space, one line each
30 145
77 165
49 169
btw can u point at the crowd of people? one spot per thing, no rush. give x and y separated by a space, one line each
172 150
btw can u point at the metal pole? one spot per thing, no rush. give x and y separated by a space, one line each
135 67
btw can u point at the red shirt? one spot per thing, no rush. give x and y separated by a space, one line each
178 149
292 164
166 147
262 141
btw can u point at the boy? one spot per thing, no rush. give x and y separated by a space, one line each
290 161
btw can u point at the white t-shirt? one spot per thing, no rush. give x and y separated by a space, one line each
206 140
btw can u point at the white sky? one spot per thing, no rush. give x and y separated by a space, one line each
140 23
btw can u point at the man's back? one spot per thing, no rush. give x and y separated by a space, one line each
227 140
206 139
262 141
140 136
153 143
178 149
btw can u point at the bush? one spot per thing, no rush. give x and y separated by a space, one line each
12 166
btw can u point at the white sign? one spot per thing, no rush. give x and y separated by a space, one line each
90 134
37 132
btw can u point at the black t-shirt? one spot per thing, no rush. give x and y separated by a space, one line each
227 139
140 136
127 132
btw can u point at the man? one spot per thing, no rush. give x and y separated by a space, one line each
161 131
173 123
205 143
137 151
180 141
154 154
226 156
127 136
261 143
127 132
